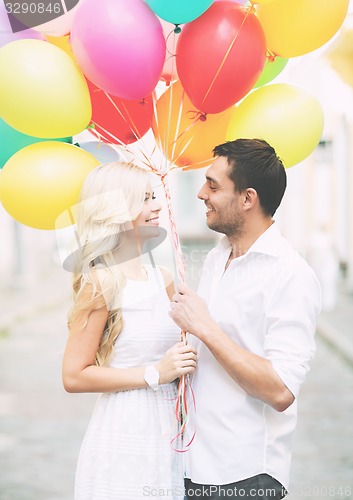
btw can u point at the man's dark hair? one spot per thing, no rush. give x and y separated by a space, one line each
255 164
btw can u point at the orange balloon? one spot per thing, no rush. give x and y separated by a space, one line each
184 134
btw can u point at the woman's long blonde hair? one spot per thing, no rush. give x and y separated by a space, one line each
111 197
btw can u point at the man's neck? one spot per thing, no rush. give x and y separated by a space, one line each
251 232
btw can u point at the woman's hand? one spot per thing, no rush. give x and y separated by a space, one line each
178 360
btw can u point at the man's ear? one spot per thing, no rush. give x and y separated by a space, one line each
250 198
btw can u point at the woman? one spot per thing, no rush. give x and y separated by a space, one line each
123 344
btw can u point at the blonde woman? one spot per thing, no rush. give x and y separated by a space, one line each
123 344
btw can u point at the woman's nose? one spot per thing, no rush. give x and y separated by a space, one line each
157 207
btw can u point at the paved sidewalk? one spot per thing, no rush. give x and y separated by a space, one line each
18 304
42 426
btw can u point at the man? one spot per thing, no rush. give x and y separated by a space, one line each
253 323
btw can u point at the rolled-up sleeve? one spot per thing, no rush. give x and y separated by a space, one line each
290 325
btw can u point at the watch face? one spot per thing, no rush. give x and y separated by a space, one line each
152 377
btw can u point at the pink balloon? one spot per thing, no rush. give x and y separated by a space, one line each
119 46
6 34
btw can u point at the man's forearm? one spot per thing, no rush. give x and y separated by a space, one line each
253 373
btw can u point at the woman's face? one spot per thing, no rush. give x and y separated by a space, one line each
150 211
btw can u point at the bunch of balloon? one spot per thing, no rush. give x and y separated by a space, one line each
104 65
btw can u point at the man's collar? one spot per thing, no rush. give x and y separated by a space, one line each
267 243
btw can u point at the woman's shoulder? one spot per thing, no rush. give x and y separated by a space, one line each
96 289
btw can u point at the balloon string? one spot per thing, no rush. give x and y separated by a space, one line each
129 122
178 124
176 241
133 127
144 159
271 56
184 384
248 12
198 116
172 55
182 414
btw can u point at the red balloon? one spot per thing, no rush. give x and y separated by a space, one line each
118 120
220 56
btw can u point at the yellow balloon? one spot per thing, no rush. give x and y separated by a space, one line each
184 134
42 180
287 117
42 91
296 27
261 1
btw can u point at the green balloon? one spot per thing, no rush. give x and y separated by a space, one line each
12 140
271 70
179 11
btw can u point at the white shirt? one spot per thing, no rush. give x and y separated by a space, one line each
267 301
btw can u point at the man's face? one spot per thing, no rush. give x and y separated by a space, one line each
224 213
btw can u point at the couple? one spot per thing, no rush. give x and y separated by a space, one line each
251 329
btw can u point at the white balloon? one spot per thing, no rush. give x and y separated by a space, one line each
104 153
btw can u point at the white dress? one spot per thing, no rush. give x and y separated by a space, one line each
127 452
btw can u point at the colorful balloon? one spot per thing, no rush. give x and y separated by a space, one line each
42 91
185 135
179 11
220 56
119 121
119 45
12 140
296 27
43 180
273 67
287 117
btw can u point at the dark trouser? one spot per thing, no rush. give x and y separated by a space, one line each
260 487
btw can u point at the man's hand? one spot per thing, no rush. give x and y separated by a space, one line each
190 312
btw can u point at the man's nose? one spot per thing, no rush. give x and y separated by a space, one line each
202 193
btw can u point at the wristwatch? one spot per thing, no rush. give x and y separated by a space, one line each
151 376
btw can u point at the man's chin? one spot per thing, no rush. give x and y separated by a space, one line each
213 227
